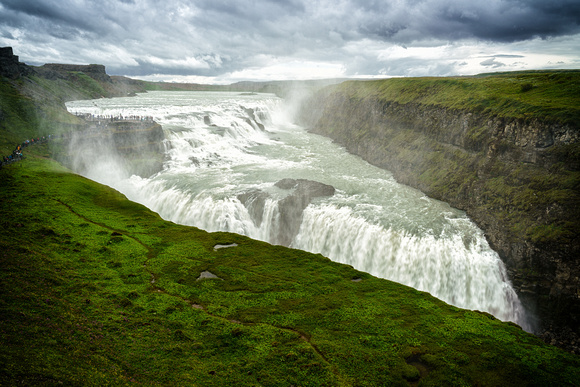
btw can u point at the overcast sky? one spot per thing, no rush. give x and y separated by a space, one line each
219 41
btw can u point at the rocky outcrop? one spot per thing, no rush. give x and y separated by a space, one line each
252 120
88 81
138 143
10 66
516 178
95 71
255 202
290 208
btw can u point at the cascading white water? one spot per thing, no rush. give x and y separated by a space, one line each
459 271
223 145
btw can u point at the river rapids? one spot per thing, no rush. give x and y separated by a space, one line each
226 154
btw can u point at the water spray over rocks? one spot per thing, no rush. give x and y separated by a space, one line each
236 163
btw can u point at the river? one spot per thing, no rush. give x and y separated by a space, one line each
227 151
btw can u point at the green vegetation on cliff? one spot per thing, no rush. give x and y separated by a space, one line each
34 106
18 119
515 188
98 290
548 96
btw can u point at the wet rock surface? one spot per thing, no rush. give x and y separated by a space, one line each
290 208
254 201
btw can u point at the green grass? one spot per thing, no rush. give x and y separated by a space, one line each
18 119
31 107
98 290
552 96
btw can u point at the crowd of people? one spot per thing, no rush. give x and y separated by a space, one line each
16 154
98 123
111 118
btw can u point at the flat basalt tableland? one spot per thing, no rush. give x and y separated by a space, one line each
99 290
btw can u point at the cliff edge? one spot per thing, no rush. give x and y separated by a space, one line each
504 148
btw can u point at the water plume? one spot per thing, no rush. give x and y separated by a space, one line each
95 156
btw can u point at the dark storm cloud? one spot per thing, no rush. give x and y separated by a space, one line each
215 37
49 15
492 63
44 11
494 20
514 21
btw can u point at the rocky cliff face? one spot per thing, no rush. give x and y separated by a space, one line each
138 144
100 85
291 207
10 66
516 178
95 71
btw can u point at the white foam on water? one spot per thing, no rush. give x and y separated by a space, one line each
221 145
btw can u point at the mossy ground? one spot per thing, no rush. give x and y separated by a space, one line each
30 108
18 120
97 290
535 204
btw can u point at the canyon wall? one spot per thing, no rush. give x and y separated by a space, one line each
137 144
517 178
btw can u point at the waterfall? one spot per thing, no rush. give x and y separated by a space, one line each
235 163
465 273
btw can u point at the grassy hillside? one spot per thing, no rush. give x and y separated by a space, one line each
95 289
32 107
515 186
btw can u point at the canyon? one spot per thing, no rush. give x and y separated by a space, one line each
516 177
